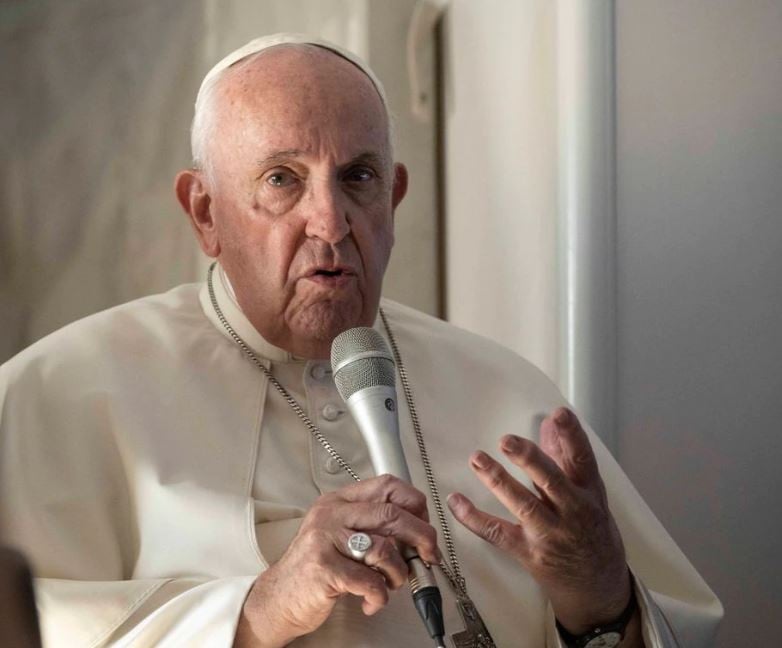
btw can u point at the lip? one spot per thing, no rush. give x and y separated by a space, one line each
336 281
341 268
317 274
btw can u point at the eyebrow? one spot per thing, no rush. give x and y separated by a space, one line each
279 156
368 157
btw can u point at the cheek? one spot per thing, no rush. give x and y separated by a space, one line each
384 234
274 253
376 246
369 197
263 250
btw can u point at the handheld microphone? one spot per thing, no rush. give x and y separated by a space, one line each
365 376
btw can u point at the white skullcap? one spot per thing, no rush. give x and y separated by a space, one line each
265 42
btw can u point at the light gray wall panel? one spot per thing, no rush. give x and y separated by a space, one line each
699 301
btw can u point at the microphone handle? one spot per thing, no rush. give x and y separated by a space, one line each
375 411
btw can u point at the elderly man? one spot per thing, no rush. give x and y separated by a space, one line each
181 471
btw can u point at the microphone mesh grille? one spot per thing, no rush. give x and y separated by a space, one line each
365 371
361 339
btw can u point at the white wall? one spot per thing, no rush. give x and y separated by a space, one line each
699 202
501 170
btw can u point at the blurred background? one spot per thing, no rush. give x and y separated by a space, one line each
595 184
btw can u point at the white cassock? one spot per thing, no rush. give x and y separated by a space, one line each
149 473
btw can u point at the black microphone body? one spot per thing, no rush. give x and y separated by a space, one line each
365 376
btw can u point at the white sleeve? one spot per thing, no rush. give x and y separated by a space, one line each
698 625
65 502
140 613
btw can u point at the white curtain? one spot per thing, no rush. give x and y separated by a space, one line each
93 131
97 103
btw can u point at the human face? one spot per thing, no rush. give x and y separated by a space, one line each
302 195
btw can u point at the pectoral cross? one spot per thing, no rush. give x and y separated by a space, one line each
475 634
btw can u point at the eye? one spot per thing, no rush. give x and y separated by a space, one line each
359 174
281 179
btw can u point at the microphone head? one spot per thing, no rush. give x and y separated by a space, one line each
359 359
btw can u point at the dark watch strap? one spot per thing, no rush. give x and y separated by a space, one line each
618 626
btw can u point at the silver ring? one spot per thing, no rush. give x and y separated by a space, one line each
358 545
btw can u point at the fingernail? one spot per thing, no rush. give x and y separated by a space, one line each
511 443
480 460
454 500
563 417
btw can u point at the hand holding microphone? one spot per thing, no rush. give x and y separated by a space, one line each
297 594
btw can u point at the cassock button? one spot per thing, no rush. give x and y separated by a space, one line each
319 371
331 412
332 466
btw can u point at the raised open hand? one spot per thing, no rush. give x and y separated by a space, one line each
564 534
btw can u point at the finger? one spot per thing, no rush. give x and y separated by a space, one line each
352 577
544 472
388 519
384 557
514 496
569 446
496 531
387 488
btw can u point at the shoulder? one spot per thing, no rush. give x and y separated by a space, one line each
437 336
443 347
84 348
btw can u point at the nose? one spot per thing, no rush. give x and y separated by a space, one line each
327 217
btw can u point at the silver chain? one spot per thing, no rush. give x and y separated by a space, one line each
451 568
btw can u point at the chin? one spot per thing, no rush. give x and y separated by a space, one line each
323 321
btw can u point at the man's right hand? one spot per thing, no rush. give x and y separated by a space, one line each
295 596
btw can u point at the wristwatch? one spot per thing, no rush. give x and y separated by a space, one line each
608 635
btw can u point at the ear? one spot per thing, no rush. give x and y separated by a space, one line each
192 193
400 184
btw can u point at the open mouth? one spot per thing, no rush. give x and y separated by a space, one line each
335 276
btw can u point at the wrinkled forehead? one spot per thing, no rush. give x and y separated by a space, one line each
300 98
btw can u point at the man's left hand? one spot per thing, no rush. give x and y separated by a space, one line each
564 535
